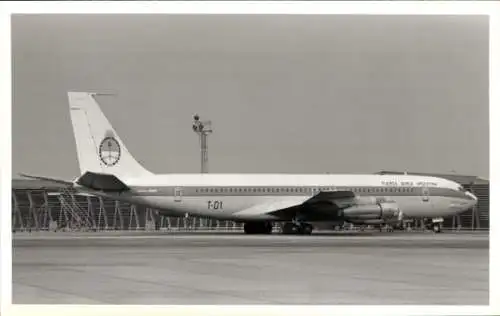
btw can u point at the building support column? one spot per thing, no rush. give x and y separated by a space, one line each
102 214
17 213
119 218
133 214
47 214
33 216
91 213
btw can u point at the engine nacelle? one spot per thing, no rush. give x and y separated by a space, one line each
384 211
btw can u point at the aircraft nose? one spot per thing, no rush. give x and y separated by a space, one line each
472 197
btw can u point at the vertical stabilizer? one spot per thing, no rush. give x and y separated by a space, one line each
99 147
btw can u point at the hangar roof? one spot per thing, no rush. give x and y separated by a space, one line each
462 179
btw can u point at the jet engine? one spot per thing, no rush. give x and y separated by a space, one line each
362 212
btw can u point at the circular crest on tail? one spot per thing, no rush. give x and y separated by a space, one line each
109 151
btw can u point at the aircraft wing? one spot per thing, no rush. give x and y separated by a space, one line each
321 205
340 199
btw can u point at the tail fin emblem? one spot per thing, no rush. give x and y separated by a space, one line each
109 151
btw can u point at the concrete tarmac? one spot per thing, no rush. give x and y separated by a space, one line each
214 268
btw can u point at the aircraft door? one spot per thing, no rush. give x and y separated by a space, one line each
425 194
178 194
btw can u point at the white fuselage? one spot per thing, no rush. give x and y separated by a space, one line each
232 196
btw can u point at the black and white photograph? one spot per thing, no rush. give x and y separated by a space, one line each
250 159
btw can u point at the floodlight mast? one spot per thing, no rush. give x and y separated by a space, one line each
203 129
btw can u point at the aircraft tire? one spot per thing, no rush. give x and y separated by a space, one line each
258 228
436 227
294 229
290 229
306 229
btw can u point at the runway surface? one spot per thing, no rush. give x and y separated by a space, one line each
337 268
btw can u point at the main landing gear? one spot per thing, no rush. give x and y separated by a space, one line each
297 229
258 228
291 228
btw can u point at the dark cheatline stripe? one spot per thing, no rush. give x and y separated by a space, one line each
200 191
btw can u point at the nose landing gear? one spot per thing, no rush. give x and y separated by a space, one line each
436 227
435 224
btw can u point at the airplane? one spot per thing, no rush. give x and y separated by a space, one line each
297 201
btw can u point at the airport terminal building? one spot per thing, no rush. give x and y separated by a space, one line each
39 205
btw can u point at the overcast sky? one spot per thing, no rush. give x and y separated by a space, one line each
294 94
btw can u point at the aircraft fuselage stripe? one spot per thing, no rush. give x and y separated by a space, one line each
201 191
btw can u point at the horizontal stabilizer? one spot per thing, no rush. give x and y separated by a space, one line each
102 182
58 181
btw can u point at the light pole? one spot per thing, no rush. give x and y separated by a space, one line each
203 129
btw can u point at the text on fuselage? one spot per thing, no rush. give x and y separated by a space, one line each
408 183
